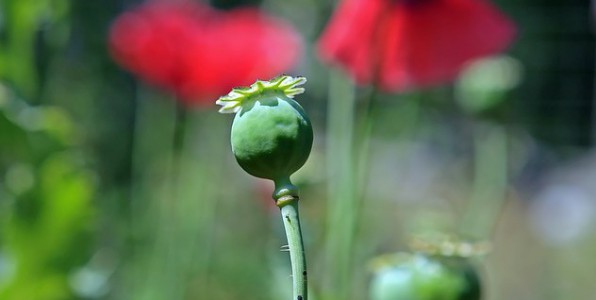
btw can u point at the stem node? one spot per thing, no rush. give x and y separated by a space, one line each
286 198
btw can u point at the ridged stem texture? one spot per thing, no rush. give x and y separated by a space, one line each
286 198
291 220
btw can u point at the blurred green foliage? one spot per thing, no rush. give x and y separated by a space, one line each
32 29
47 223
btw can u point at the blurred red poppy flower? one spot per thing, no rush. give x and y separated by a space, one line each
403 44
200 53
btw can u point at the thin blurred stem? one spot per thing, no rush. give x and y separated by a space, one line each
342 194
594 93
136 164
200 196
165 269
176 213
136 208
180 124
349 148
154 123
490 181
192 207
366 124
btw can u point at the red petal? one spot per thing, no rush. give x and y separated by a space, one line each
439 37
241 46
199 53
412 43
350 37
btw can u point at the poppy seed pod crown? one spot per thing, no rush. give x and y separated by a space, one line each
271 134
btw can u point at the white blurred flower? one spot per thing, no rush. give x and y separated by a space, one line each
563 213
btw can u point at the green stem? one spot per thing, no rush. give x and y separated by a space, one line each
342 192
202 209
350 124
180 123
286 197
154 121
594 109
490 181
167 235
365 124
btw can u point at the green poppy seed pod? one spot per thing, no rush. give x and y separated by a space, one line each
405 276
271 134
